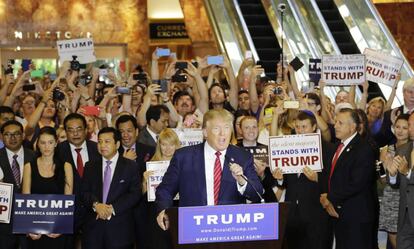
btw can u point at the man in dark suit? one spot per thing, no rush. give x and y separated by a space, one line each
157 120
386 136
216 178
308 224
140 153
347 185
77 151
401 176
110 190
12 159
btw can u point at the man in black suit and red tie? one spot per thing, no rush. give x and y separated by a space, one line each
110 190
347 185
12 159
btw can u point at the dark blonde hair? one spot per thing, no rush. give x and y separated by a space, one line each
169 136
222 114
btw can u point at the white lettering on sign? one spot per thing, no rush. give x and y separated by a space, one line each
213 219
44 203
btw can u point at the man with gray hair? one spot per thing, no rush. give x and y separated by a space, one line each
385 135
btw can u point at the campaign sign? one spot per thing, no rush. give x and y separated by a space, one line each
382 68
82 48
43 214
291 153
6 201
228 223
315 70
189 136
158 169
343 70
260 153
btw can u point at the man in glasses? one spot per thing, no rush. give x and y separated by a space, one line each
12 159
6 114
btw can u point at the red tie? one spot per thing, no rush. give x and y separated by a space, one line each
79 162
217 177
335 159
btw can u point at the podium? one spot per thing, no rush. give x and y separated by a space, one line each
260 244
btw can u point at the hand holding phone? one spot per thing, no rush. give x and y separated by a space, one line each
215 60
91 110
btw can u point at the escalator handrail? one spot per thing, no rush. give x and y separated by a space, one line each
389 37
246 31
325 27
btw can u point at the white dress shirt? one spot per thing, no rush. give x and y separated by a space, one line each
20 160
83 153
114 161
346 142
209 161
153 135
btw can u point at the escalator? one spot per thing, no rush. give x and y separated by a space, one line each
262 34
343 37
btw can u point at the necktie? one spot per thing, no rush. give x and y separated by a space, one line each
16 170
217 177
79 162
335 159
106 181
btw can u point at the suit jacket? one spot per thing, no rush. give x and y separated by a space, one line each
305 193
29 156
385 136
186 176
145 137
144 153
406 187
351 191
124 194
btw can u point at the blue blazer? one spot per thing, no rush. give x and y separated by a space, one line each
186 176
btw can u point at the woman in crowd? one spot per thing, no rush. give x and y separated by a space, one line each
47 175
388 217
92 127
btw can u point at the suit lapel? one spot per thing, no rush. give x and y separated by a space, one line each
201 172
345 152
119 168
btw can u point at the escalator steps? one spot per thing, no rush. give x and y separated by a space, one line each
252 9
260 30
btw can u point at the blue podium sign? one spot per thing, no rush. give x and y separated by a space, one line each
228 223
43 214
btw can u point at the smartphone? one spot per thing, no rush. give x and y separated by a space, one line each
291 104
195 64
215 60
164 86
163 52
181 65
30 87
123 90
179 78
248 54
36 74
91 110
296 63
26 64
139 76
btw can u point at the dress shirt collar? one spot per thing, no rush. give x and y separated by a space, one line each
83 146
153 135
210 152
348 140
10 154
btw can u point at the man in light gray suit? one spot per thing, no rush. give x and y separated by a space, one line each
402 177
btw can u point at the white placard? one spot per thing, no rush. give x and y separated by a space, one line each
382 68
292 153
189 136
82 48
158 169
6 202
343 70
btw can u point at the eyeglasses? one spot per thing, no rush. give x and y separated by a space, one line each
14 135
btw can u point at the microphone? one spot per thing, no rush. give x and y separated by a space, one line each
247 180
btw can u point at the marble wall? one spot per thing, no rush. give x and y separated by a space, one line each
398 17
109 21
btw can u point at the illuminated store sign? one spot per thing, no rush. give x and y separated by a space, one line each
50 35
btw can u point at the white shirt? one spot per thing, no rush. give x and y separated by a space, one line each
346 142
20 160
406 110
114 161
209 161
153 135
83 153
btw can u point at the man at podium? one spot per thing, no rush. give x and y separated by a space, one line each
211 173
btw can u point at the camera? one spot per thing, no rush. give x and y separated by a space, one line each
278 90
58 95
281 7
178 78
85 79
140 77
74 64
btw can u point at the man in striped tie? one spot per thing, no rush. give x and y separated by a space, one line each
210 173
